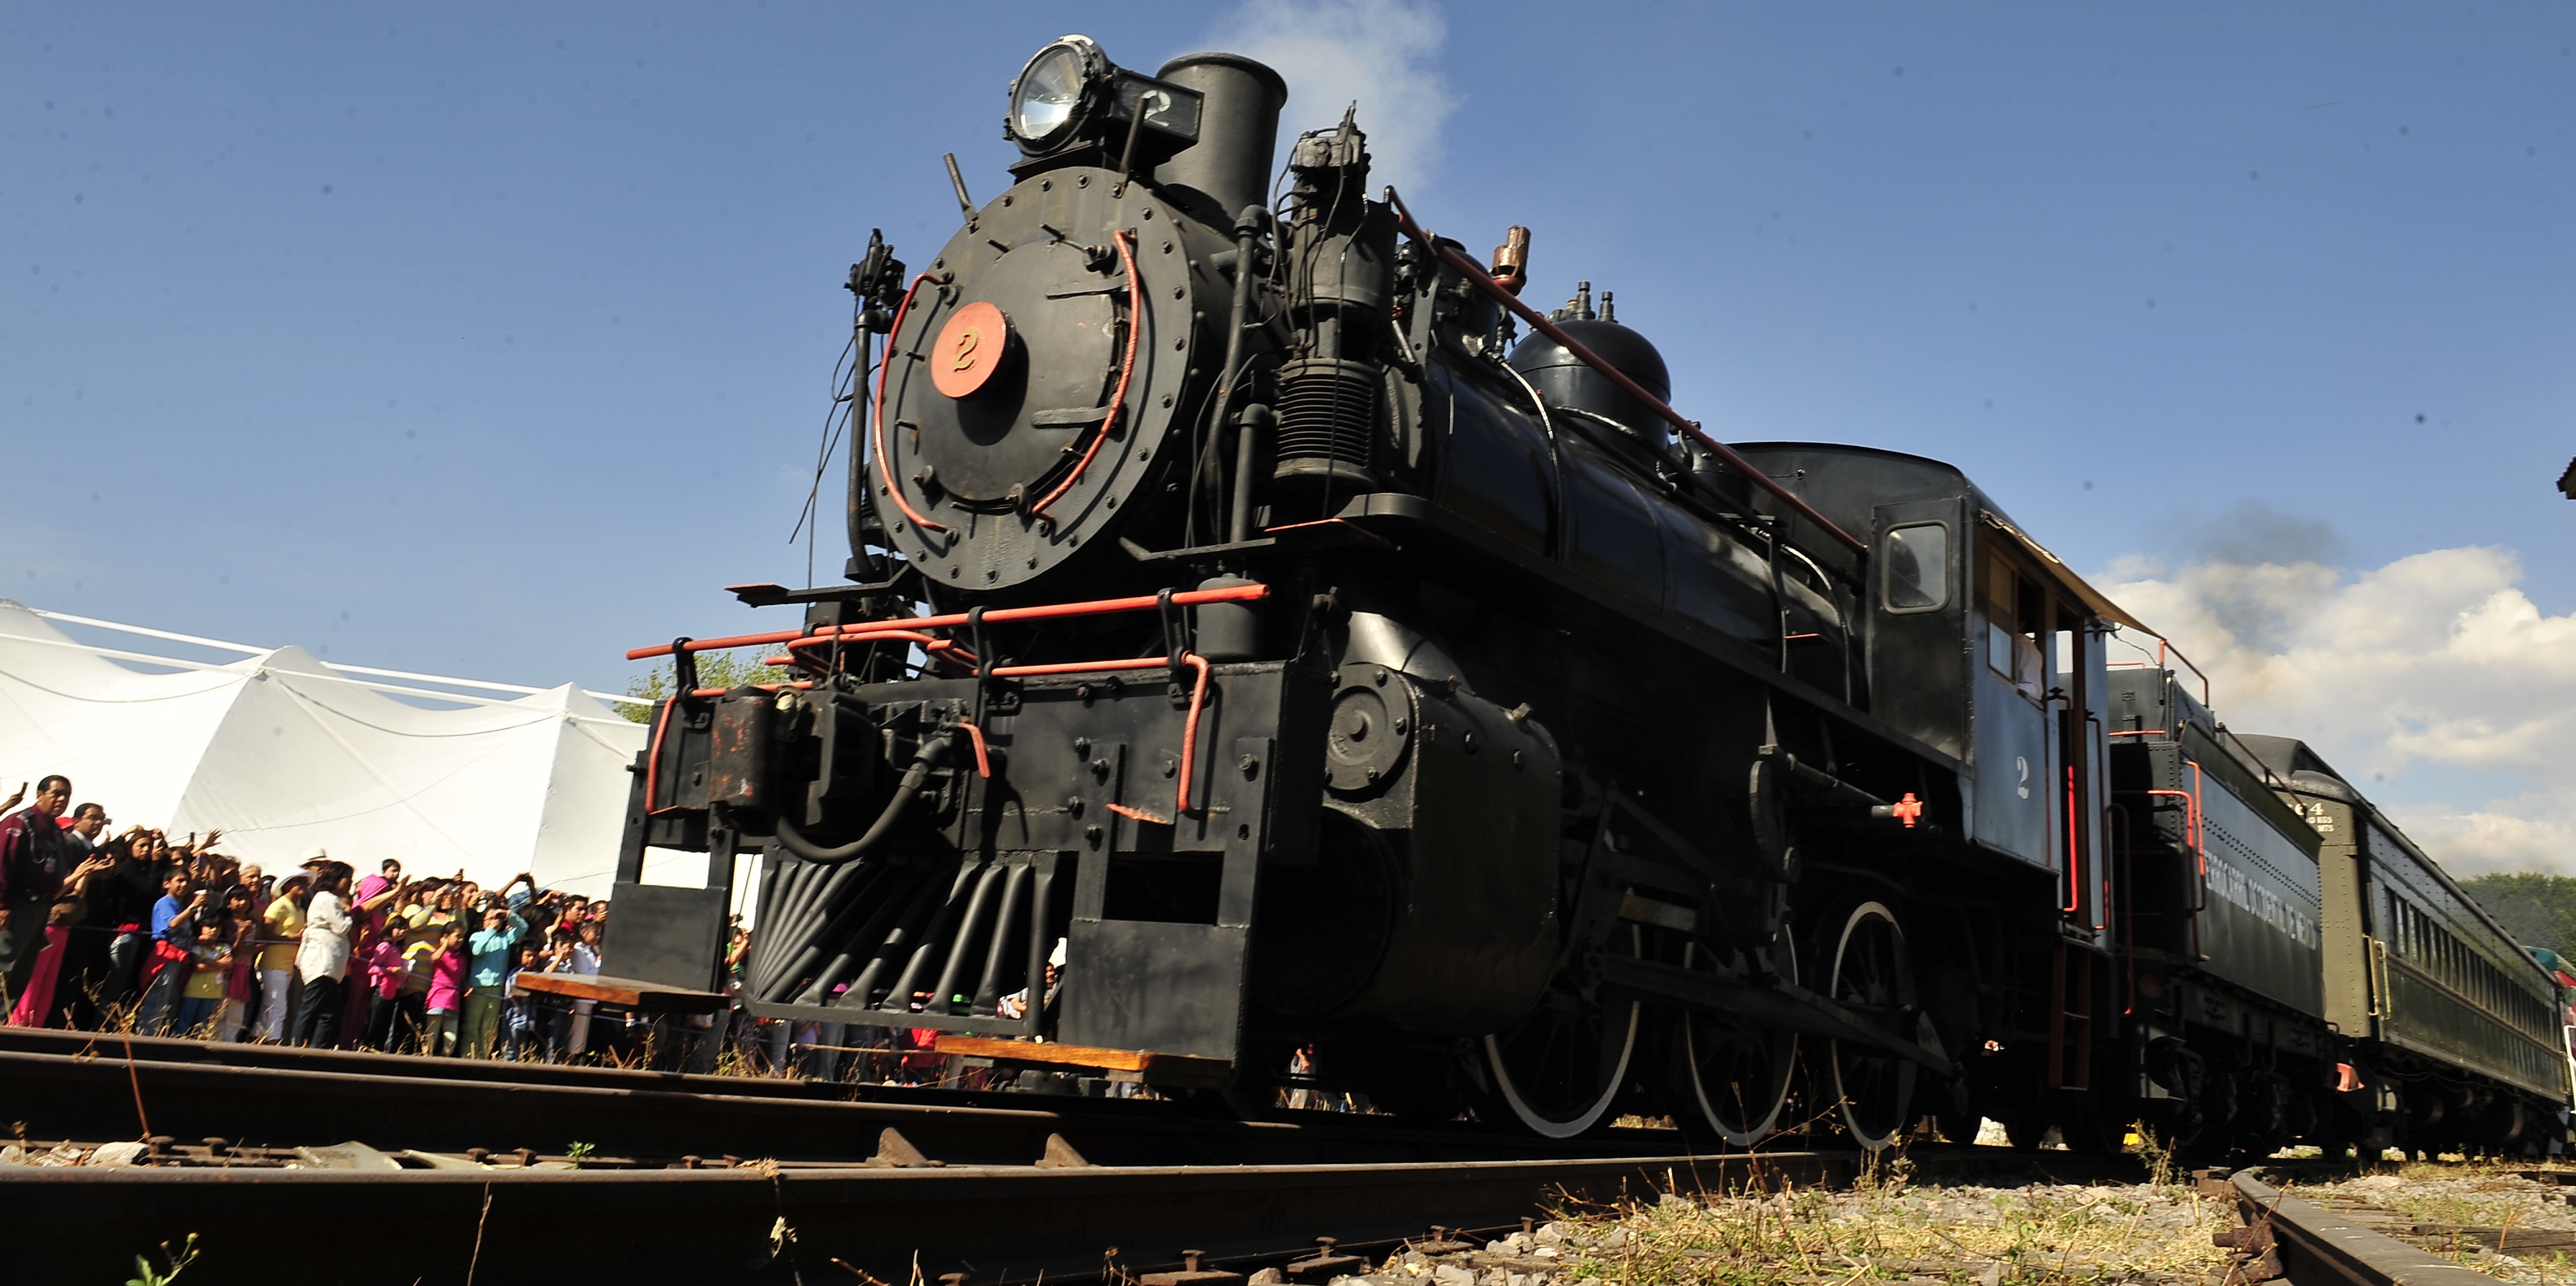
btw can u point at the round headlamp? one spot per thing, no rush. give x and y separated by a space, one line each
1048 100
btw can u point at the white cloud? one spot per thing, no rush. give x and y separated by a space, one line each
2436 664
1333 52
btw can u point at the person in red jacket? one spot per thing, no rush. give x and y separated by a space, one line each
32 867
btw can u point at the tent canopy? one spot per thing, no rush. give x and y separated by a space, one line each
284 753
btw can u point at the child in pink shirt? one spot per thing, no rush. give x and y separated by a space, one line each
446 990
384 964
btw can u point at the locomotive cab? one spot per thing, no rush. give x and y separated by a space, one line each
1980 643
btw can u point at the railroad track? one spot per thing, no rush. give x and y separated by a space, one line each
2309 1245
84 1087
757 1223
664 1184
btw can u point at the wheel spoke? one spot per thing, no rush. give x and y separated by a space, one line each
1733 1081
1560 1070
1870 970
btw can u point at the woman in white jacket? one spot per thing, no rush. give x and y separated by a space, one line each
322 959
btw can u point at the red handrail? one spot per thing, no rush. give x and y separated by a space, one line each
2074 842
1538 321
1046 611
885 463
1126 368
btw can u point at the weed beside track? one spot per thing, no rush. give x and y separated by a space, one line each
2483 1215
1886 1227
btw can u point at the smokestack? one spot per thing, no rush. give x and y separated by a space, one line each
1238 130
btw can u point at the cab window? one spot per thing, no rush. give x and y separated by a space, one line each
1917 569
2013 611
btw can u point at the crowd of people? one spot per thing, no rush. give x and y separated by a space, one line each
135 932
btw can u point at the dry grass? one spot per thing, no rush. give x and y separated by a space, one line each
1888 1228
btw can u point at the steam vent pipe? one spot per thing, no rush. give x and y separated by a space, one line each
1238 130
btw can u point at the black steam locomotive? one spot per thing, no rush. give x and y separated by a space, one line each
1257 654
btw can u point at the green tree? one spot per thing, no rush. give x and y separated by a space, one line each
715 670
2538 910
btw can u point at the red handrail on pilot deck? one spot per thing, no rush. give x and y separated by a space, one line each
863 630
1538 321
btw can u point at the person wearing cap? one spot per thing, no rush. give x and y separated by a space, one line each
283 922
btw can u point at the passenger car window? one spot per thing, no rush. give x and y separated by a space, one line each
1918 566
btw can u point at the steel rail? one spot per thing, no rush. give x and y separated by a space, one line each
1005 1187
2316 1246
996 1224
80 1088
767 1223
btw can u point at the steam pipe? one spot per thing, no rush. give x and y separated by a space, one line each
1247 444
1477 276
932 753
943 992
939 936
1247 230
916 911
830 906
858 508
988 989
892 914
817 934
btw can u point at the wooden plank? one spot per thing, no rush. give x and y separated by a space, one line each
625 992
1143 1062
2499 1238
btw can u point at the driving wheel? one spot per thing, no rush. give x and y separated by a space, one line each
1872 975
1558 1070
1735 1077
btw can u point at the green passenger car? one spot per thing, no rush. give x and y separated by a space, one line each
2455 1034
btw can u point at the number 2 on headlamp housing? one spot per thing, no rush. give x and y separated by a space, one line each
1070 95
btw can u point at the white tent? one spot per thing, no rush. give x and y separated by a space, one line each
284 752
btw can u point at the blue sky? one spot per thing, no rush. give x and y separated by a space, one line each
492 340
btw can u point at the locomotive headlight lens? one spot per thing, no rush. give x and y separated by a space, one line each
1048 94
